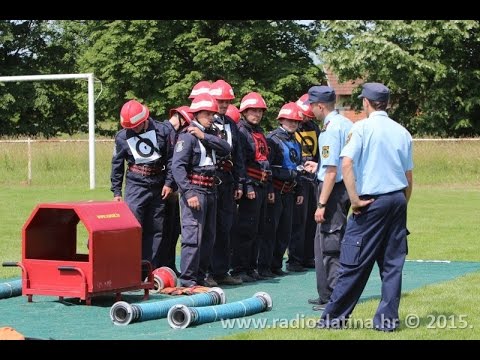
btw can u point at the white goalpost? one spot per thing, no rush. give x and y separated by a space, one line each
91 109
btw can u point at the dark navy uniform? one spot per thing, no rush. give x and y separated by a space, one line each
171 227
300 249
148 156
247 232
231 173
194 170
380 152
284 157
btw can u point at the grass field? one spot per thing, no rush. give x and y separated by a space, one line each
441 218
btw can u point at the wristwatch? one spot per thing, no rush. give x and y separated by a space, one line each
320 205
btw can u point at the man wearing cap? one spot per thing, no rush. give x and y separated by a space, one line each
377 169
333 203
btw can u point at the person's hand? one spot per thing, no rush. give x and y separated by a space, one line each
320 215
310 166
194 203
359 204
251 195
117 198
166 191
238 194
195 131
271 198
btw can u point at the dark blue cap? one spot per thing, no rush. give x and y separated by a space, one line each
375 92
321 94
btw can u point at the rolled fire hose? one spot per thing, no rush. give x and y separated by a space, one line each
181 316
123 313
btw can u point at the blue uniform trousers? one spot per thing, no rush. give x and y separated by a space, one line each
198 237
301 246
278 230
145 202
226 206
248 231
378 234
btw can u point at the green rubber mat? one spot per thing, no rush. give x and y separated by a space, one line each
48 318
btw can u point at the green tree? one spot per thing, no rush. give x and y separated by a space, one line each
34 47
158 62
432 68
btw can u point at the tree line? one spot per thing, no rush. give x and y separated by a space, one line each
432 67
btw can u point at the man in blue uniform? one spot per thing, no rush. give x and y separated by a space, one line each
377 170
333 203
194 168
144 145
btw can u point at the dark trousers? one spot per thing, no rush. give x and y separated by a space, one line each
378 235
226 207
171 230
247 233
198 237
147 205
301 246
329 236
278 230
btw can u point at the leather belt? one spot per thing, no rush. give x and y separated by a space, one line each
202 180
258 174
145 170
284 186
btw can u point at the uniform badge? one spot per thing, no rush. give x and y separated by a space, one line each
179 146
349 136
325 151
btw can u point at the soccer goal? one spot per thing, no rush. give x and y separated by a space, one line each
91 109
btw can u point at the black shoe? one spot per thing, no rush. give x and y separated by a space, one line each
228 280
309 264
314 301
267 274
278 272
295 268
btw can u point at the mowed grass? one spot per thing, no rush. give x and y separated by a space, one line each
442 218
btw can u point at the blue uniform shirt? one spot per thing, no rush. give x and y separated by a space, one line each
375 144
330 143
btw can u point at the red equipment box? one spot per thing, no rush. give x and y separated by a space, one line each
50 262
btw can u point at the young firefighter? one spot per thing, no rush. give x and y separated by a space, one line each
193 168
247 232
231 174
144 145
179 119
284 157
300 249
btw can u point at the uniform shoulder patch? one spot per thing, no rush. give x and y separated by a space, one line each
179 146
325 151
349 136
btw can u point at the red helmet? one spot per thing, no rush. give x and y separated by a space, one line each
289 111
233 112
305 109
221 90
252 100
133 114
184 112
202 87
204 102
